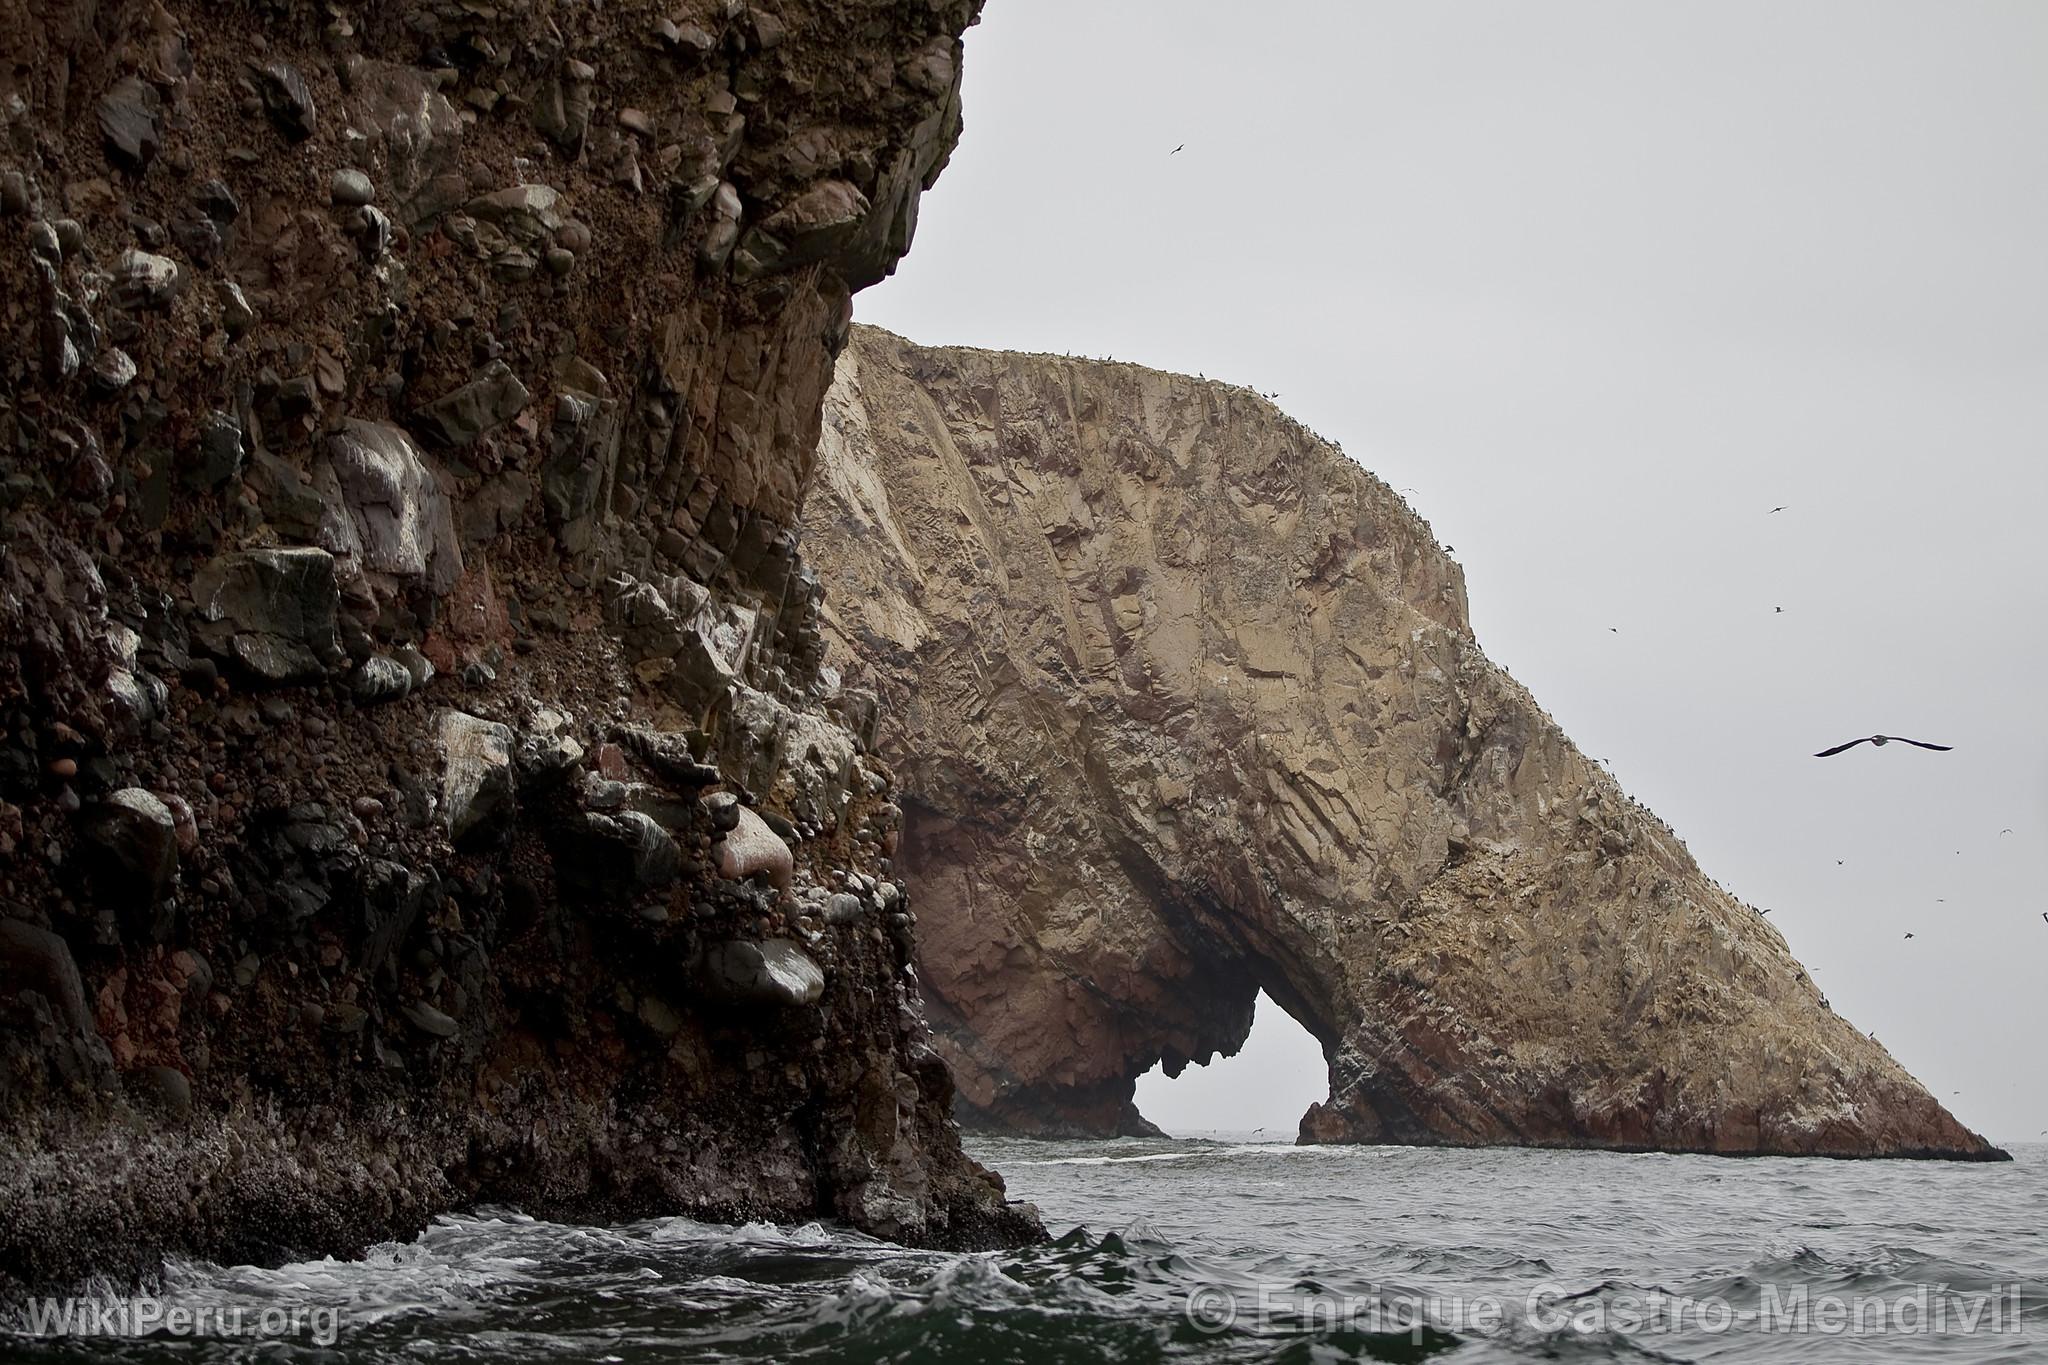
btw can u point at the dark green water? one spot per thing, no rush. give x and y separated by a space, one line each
1211 1250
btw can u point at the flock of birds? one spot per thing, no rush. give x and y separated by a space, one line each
1875 741
1879 741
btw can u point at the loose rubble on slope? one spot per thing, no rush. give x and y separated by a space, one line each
419 778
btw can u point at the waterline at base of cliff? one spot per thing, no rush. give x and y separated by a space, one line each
1222 1248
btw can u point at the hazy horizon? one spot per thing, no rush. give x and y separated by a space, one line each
1603 284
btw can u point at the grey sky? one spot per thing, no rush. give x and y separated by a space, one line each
1603 283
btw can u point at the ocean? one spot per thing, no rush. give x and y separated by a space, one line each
1222 1247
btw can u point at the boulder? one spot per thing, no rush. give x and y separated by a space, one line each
751 848
428 1020
461 417
34 959
395 520
287 98
143 280
618 857
350 188
272 611
476 777
704 670
130 119
774 971
380 678
164 1088
138 836
526 212
811 227
724 809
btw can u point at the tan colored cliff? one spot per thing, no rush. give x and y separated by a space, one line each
1185 703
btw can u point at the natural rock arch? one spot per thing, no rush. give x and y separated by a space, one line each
1185 704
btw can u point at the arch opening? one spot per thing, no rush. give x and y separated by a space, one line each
1264 1088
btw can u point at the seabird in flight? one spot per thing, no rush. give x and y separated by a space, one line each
1775 510
1909 933
1881 741
1177 151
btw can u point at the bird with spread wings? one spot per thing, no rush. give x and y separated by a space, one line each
1880 741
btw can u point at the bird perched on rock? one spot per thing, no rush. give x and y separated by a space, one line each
1881 741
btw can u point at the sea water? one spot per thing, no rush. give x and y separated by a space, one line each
1214 1248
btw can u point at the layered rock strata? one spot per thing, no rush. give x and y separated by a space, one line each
1185 704
419 783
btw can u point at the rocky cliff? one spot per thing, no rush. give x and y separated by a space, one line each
418 782
1186 704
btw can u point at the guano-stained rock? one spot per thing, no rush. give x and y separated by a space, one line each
1187 704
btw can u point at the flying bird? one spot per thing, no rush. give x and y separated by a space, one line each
1177 151
1909 934
1880 741
1775 510
1779 610
2002 833
2044 914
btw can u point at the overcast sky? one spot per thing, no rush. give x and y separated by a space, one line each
1604 283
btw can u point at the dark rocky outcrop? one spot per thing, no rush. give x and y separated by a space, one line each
1186 704
403 416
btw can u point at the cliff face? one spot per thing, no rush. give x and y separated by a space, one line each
1185 704
417 780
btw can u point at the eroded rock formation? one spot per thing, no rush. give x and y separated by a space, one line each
418 783
1185 703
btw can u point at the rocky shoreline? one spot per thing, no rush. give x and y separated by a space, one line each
420 783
